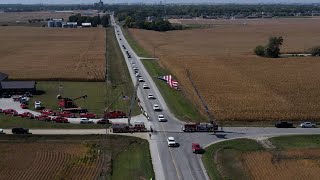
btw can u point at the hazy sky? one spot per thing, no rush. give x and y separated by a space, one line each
152 1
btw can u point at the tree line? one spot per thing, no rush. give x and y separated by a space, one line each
95 21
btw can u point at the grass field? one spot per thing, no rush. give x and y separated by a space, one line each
73 157
295 157
177 102
53 54
237 85
8 122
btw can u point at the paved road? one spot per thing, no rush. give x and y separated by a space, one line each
180 163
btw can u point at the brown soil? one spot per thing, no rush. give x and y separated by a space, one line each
295 164
51 54
236 84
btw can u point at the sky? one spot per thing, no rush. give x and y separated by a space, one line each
152 1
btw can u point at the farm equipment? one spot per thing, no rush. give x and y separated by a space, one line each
199 127
67 104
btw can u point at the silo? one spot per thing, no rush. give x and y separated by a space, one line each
58 24
50 24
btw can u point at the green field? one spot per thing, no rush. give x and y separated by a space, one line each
8 122
229 151
180 105
296 142
130 156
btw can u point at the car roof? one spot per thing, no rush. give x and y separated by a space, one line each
171 138
195 144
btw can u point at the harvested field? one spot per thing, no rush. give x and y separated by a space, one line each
24 16
53 54
294 164
237 85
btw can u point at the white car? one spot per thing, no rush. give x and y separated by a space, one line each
145 86
86 121
134 68
161 118
171 142
37 105
307 125
156 107
138 75
140 80
150 96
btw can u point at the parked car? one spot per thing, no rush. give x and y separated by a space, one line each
307 125
46 111
43 117
102 121
161 118
196 148
27 115
150 96
171 142
60 120
66 114
283 124
145 86
27 94
156 107
20 131
23 106
86 121
88 115
11 112
140 80
37 105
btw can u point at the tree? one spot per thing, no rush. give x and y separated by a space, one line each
315 51
259 50
105 21
273 48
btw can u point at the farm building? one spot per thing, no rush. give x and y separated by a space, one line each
16 86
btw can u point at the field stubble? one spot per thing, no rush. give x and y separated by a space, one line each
53 54
236 84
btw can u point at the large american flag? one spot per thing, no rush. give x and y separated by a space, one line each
172 83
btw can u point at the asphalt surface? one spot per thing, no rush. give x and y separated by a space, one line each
180 163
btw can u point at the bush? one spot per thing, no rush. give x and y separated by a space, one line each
315 51
259 50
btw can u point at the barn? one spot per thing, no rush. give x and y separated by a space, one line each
15 87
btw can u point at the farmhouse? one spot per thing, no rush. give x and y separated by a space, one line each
15 86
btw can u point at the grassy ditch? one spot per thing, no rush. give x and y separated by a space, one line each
78 156
8 122
225 157
178 103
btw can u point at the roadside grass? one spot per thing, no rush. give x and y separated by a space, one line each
130 156
296 142
178 103
134 161
229 153
8 122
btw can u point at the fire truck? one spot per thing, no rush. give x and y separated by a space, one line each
67 104
125 128
199 127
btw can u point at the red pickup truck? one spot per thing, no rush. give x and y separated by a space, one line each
60 120
11 112
43 117
88 115
196 148
27 115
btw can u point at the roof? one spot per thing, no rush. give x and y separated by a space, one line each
18 84
3 76
171 138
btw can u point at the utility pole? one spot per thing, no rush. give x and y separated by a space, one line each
211 117
134 95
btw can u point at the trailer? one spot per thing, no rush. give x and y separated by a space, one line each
199 127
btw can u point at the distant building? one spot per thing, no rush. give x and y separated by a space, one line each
151 18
